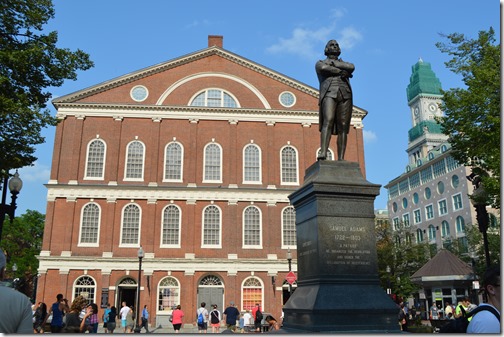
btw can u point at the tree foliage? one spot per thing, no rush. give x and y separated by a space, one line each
30 63
398 251
21 242
472 114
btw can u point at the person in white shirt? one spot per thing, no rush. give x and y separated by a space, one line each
485 321
124 314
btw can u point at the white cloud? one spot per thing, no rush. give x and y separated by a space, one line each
36 173
369 136
307 42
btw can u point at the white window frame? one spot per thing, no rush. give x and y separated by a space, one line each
222 92
427 217
181 162
205 163
406 220
203 219
92 287
417 216
126 161
445 207
459 202
90 244
242 288
104 160
284 230
396 223
244 162
445 229
251 246
290 183
431 233
179 227
130 245
460 231
176 299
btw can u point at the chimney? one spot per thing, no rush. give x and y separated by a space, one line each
215 40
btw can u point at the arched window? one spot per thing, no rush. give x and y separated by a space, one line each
460 224
419 236
130 229
85 286
170 236
445 229
211 227
90 225
252 164
432 233
173 162
252 227
212 162
252 293
169 294
95 162
289 166
214 98
289 227
134 161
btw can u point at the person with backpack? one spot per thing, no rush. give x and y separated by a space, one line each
202 318
258 316
215 319
488 319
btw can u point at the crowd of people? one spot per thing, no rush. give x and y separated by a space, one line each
83 316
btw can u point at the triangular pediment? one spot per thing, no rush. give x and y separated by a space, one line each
185 61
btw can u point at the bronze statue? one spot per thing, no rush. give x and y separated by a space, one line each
335 99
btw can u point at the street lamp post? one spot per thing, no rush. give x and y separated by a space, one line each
140 257
289 260
14 184
389 291
478 200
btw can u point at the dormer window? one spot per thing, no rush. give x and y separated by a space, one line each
214 98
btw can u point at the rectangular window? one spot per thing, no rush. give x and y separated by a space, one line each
442 207
414 180
393 191
426 174
396 223
403 186
429 212
457 202
418 217
406 220
451 163
439 168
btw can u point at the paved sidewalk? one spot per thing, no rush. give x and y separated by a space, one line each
168 329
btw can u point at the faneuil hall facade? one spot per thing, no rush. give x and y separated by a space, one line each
192 160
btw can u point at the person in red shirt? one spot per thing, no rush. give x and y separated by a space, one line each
257 320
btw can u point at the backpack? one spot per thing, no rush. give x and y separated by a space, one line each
214 317
258 315
460 324
200 318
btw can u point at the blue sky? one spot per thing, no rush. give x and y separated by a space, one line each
384 39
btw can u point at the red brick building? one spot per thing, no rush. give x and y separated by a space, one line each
192 160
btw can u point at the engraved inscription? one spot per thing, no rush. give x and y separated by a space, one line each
347 251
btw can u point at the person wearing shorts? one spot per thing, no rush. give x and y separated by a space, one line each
177 316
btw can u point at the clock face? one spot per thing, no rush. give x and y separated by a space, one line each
416 111
139 93
432 107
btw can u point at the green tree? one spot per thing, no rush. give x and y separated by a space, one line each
398 250
30 63
475 242
472 114
21 242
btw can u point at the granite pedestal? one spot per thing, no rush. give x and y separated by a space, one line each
338 286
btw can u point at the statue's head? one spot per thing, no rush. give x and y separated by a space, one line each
332 48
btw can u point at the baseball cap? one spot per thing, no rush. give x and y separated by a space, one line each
3 261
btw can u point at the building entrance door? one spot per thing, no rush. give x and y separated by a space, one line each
127 290
211 291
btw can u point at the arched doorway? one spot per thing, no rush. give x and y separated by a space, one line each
126 292
211 291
